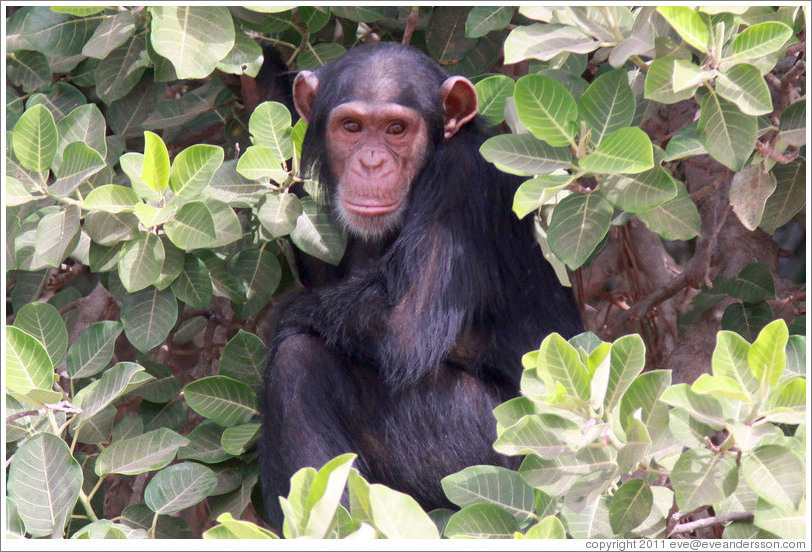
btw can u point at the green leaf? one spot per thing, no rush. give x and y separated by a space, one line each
688 76
27 365
57 34
147 452
676 219
688 24
57 234
93 350
119 72
260 274
140 262
244 358
261 162
84 124
111 198
492 93
205 444
627 361
760 40
319 55
578 225
702 408
746 319
685 143
726 133
607 105
155 171
398 516
179 486
783 521
29 70
245 58
193 169
701 478
270 127
786 402
659 85
101 393
193 285
279 212
484 19
78 164
43 322
545 41
638 441
35 139
547 109
44 481
316 235
730 360
767 356
231 528
320 497
640 192
532 434
548 528
776 474
193 226
492 485
788 198
223 400
535 192
793 123
193 38
558 361
644 393
753 284
590 523
148 316
111 33
481 521
525 155
719 386
16 193
744 85
236 440
227 226
626 150
630 506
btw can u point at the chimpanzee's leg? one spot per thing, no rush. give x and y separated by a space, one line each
317 406
298 407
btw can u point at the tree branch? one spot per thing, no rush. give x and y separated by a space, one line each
711 521
695 273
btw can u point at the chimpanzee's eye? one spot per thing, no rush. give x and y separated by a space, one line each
396 128
352 126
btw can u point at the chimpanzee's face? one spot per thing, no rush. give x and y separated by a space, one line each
375 150
375 147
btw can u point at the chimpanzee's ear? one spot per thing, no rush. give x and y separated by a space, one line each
459 103
304 93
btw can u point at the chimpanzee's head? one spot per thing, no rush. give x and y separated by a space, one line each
375 117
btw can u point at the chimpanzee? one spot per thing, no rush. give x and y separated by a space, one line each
402 359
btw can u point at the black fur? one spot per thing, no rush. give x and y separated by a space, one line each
403 359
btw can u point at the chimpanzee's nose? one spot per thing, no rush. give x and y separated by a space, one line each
372 158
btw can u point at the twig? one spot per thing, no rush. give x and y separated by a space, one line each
411 23
695 273
711 521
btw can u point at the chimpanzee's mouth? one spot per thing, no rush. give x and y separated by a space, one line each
370 208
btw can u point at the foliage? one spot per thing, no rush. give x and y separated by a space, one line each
151 219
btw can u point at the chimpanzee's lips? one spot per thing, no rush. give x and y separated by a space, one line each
370 208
